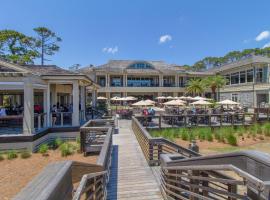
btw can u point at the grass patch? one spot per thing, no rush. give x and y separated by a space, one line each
2 157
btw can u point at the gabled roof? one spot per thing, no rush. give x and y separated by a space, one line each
7 67
46 70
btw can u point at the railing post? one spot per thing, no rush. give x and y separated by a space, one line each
232 189
233 119
209 118
62 119
221 118
39 121
244 119
185 121
44 120
159 121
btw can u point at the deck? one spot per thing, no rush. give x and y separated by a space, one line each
131 177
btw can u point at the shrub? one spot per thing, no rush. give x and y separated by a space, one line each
58 142
66 149
209 137
266 129
11 155
43 149
184 135
1 157
231 139
25 154
78 140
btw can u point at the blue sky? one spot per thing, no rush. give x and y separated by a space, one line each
94 31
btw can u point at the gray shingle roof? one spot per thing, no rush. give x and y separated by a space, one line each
48 70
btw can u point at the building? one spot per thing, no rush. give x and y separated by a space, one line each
28 93
248 79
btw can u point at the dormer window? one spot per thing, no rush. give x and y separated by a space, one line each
141 65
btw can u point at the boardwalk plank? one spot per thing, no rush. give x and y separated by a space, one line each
131 178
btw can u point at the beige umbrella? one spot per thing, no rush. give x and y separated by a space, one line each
201 103
142 103
161 98
228 102
174 103
169 97
116 99
201 98
101 98
188 98
131 98
150 101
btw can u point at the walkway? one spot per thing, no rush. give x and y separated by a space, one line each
131 178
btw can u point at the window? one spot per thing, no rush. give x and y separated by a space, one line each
242 76
235 97
116 82
181 82
102 81
235 78
228 79
141 66
259 75
250 75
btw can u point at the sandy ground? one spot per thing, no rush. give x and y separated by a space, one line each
16 173
207 148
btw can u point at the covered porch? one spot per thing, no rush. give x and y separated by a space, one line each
30 103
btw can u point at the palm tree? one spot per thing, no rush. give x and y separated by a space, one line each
195 86
214 83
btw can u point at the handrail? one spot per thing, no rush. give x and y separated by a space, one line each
57 179
188 175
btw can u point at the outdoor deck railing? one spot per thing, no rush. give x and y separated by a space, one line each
56 180
188 175
190 120
40 121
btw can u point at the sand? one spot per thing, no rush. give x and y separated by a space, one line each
16 173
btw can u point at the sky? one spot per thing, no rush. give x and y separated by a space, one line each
175 31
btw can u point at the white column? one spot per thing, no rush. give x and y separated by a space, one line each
28 116
83 101
94 97
176 79
160 80
75 114
48 107
54 94
45 105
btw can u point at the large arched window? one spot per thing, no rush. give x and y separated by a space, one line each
140 65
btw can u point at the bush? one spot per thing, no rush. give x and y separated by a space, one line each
58 142
184 135
25 154
231 139
66 149
43 149
78 140
266 129
1 157
11 155
209 137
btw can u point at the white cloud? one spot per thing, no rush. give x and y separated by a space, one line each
111 50
263 35
165 38
266 45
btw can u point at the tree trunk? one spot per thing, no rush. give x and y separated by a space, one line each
42 51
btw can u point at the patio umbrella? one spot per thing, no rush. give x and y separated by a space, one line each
201 103
142 103
150 101
201 98
101 98
228 102
116 98
131 98
174 103
161 98
169 97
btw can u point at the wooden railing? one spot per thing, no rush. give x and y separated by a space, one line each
188 175
153 147
238 175
57 179
192 120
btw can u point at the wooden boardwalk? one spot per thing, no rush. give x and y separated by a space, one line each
131 178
